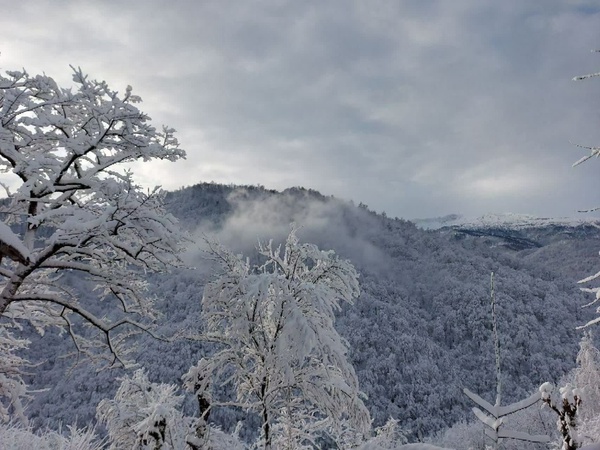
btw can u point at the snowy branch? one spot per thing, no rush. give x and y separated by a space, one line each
76 208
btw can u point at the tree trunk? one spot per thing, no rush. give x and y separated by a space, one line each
13 285
9 292
202 426
267 429
265 415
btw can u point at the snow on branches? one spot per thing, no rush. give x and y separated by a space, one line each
278 346
12 387
18 437
566 409
144 415
594 151
71 207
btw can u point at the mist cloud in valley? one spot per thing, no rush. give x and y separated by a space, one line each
327 222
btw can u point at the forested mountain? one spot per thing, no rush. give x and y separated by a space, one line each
420 331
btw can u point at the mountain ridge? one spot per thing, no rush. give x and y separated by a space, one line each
511 221
420 332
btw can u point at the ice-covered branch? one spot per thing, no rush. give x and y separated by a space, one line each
77 208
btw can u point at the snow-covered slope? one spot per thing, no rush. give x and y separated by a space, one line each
508 221
419 334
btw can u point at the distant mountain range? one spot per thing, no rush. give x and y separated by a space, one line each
421 330
507 220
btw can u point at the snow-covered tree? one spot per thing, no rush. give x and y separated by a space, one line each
144 416
587 379
493 416
197 381
567 408
274 322
17 437
12 387
148 416
594 151
388 436
71 207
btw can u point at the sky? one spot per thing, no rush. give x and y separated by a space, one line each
419 108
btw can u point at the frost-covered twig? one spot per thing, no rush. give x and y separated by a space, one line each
74 207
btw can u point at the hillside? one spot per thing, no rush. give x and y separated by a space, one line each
420 331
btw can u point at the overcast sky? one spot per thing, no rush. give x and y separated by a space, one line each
417 108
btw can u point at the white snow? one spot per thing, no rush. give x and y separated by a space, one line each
11 239
546 389
507 220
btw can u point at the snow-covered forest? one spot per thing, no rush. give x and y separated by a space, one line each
232 317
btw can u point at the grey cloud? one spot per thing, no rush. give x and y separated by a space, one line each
323 221
418 108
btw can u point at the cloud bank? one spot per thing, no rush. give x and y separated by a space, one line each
416 108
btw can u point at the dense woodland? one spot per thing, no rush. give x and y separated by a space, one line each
420 331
